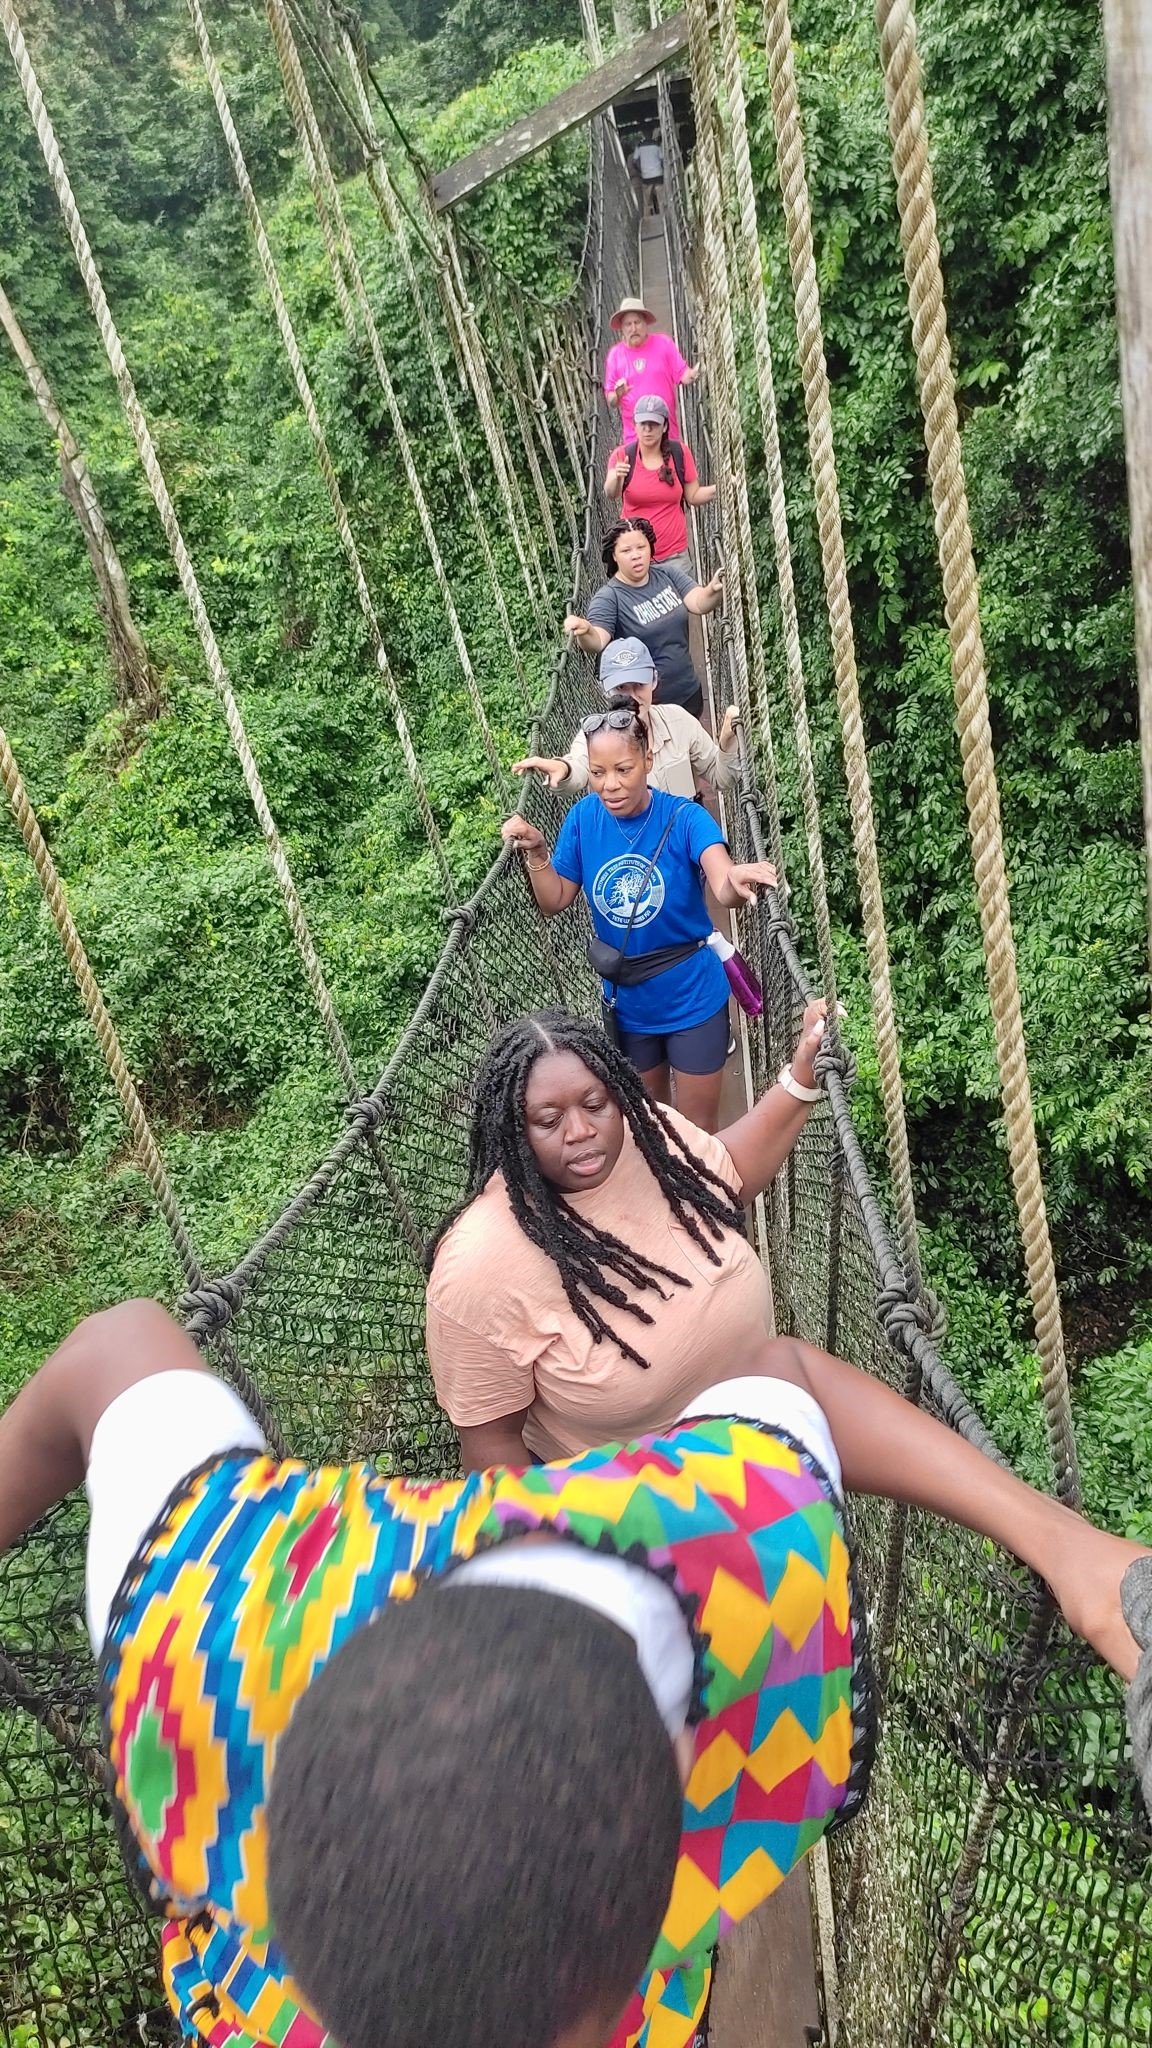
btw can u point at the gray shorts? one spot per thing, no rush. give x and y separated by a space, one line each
681 561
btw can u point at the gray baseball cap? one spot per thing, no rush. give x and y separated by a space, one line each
651 407
625 661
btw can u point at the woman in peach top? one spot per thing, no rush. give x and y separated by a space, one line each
596 1276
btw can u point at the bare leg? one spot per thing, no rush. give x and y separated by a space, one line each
656 1081
698 1097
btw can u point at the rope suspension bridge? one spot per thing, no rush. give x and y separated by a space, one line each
997 1888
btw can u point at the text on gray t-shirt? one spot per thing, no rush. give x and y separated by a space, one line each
653 612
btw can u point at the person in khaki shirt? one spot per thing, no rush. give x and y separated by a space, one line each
682 752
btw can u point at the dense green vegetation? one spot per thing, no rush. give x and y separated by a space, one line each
1016 112
150 823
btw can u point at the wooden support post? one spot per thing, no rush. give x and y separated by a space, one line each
1128 39
570 109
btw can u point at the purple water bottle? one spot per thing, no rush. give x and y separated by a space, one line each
741 980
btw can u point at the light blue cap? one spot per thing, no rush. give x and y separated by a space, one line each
625 661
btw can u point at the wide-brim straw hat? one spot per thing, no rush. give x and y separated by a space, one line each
631 306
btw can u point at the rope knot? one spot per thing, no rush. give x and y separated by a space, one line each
370 1112
834 1057
1136 1607
463 914
900 1313
208 1309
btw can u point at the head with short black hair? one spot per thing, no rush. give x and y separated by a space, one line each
473 1825
617 533
518 1132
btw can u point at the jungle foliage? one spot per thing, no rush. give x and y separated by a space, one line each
1017 126
150 823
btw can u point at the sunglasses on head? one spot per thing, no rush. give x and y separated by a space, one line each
613 721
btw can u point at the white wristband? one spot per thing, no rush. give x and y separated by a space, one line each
786 1079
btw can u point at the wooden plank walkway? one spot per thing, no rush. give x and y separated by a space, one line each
765 1991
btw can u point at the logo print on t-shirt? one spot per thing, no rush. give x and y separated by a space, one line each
638 364
615 891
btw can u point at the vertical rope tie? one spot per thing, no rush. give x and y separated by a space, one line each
380 186
511 382
747 234
732 463
924 274
343 259
320 445
461 311
150 463
147 1150
822 461
52 889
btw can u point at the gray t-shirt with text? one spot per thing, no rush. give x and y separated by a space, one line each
654 613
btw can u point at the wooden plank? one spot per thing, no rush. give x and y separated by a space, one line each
569 109
765 1991
1128 40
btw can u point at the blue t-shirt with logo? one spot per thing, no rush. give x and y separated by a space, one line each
609 857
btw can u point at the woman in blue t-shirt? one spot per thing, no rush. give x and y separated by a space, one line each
641 858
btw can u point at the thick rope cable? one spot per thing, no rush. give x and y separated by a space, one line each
145 1147
924 274
320 445
822 459
380 185
747 236
732 475
150 463
342 255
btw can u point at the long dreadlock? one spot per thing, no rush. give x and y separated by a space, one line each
585 1256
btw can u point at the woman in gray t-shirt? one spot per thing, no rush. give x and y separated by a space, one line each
646 600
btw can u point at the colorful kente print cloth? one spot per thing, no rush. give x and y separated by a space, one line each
259 1571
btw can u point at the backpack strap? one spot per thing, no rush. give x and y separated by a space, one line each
676 455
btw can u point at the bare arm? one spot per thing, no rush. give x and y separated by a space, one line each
759 1142
615 479
553 892
46 1434
556 768
718 760
889 1447
735 882
494 1443
697 493
704 597
592 639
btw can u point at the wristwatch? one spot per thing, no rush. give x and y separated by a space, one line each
786 1079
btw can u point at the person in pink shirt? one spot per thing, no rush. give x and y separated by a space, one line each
643 360
654 477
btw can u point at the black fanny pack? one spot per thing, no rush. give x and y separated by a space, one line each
611 963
